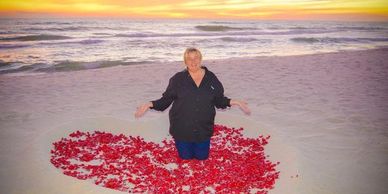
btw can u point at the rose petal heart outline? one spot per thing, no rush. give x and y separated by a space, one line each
130 164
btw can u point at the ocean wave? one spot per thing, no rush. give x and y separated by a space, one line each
74 28
362 28
299 28
5 64
336 40
156 35
90 41
306 40
15 67
222 22
63 66
219 28
6 32
13 46
139 35
71 28
243 39
78 65
228 33
83 42
102 34
38 37
51 23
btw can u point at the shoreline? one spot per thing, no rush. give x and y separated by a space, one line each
205 61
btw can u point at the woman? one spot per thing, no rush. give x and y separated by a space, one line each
196 92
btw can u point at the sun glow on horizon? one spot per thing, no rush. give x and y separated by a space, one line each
212 9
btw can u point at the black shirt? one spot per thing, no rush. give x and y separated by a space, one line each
192 113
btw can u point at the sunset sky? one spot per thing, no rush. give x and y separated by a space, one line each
213 9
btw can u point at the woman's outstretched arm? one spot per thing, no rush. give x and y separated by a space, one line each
161 104
223 102
242 104
141 110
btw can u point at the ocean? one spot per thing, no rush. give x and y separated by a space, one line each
51 45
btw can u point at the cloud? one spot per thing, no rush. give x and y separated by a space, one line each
198 8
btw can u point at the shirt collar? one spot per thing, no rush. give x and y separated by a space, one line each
203 67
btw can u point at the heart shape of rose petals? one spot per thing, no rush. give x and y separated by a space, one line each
130 164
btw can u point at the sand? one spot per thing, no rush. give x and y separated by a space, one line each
326 113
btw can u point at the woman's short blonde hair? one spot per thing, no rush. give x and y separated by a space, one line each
192 50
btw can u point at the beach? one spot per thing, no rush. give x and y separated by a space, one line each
330 109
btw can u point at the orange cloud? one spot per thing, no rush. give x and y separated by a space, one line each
238 9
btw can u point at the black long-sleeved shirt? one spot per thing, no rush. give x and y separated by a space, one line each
192 113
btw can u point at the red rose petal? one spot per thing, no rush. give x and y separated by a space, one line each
236 163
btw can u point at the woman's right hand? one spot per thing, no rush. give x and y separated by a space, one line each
142 109
242 104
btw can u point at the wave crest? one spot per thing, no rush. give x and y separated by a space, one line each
312 40
218 28
38 37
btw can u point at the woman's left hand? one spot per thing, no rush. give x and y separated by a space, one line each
242 104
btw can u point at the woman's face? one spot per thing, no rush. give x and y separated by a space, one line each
193 62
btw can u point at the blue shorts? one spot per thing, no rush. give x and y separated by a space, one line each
190 150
